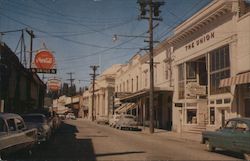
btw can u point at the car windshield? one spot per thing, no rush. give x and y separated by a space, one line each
33 118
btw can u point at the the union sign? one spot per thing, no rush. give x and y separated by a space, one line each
44 62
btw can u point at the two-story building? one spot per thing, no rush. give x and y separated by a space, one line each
212 64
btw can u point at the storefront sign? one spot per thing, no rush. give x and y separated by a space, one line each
194 89
44 62
200 41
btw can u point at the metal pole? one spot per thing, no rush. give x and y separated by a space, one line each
151 66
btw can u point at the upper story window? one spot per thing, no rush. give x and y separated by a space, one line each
219 69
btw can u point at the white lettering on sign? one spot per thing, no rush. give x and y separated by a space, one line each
200 41
45 60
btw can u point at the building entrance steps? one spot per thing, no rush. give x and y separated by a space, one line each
185 136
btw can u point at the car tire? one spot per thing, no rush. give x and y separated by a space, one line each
209 147
247 156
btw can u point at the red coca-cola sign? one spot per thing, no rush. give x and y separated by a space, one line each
44 60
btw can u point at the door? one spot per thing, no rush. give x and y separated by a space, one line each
247 107
223 118
225 135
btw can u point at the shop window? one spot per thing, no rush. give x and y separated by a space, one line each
219 101
191 70
212 115
227 100
219 69
191 116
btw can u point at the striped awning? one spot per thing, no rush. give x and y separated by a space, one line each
238 79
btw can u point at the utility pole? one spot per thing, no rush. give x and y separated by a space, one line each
94 68
32 36
152 7
71 87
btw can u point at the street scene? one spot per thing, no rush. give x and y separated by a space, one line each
84 140
125 80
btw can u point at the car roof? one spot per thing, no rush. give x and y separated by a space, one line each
9 115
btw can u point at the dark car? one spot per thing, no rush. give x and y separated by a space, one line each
39 121
235 136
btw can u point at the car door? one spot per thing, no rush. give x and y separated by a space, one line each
12 133
225 135
241 140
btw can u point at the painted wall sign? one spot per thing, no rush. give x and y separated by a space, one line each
44 62
200 41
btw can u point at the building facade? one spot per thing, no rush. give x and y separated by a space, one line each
103 94
20 89
211 51
133 85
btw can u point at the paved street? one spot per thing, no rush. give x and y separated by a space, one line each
84 140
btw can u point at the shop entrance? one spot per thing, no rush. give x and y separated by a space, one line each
247 107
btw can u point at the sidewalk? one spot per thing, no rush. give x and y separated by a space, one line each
173 135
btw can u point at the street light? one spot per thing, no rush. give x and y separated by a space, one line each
115 36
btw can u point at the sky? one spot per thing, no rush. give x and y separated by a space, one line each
79 32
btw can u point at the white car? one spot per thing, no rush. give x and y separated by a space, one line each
113 120
127 122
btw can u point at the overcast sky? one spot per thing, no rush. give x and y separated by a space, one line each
79 32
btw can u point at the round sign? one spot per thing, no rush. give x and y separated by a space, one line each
54 84
44 60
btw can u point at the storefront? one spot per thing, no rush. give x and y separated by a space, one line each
208 47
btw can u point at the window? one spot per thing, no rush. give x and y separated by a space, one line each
181 82
191 116
166 67
230 124
219 69
11 124
241 126
3 127
137 83
20 124
212 115
146 78
191 70
132 85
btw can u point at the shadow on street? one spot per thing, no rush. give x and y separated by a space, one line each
62 146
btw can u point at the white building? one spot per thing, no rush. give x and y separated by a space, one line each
212 45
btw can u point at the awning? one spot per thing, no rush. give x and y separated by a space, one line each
238 79
125 107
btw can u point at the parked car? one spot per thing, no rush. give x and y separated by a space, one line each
14 135
70 116
235 136
113 120
127 121
39 121
102 120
